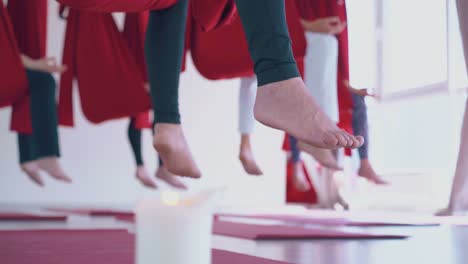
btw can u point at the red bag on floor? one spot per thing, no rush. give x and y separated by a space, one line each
109 81
212 14
109 6
292 194
223 53
29 20
13 84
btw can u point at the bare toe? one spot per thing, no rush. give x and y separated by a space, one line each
32 170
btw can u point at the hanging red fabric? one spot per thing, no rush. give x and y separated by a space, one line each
212 14
215 63
109 6
29 20
109 82
134 33
13 84
11 63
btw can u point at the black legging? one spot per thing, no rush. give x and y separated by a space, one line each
360 124
43 142
265 26
134 137
164 46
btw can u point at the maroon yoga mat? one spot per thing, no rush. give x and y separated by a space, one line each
255 231
87 246
93 212
14 216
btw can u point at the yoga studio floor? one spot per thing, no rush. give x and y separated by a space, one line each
31 234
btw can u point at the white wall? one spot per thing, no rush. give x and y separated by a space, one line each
99 160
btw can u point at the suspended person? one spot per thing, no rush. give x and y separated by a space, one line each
213 63
458 202
134 33
326 26
281 102
247 92
38 149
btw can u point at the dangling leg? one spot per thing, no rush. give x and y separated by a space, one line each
246 124
360 127
44 123
134 137
460 181
163 174
28 158
282 101
459 191
164 50
321 69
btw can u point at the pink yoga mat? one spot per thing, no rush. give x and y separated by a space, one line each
13 216
255 231
89 247
93 212
368 220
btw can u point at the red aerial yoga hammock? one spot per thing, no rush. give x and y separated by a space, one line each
111 87
233 59
29 20
134 33
13 84
109 81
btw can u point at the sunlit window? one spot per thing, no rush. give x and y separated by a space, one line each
414 44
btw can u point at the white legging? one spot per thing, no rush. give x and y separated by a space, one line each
247 94
321 70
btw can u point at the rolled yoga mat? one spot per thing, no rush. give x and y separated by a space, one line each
16 216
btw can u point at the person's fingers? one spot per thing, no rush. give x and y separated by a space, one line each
332 20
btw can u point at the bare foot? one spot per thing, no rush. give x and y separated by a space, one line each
32 170
287 106
246 157
169 142
366 171
445 212
52 166
143 176
323 156
163 174
300 179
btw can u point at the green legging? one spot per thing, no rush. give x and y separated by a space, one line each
134 137
265 26
43 142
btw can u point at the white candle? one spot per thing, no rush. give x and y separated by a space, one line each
170 230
